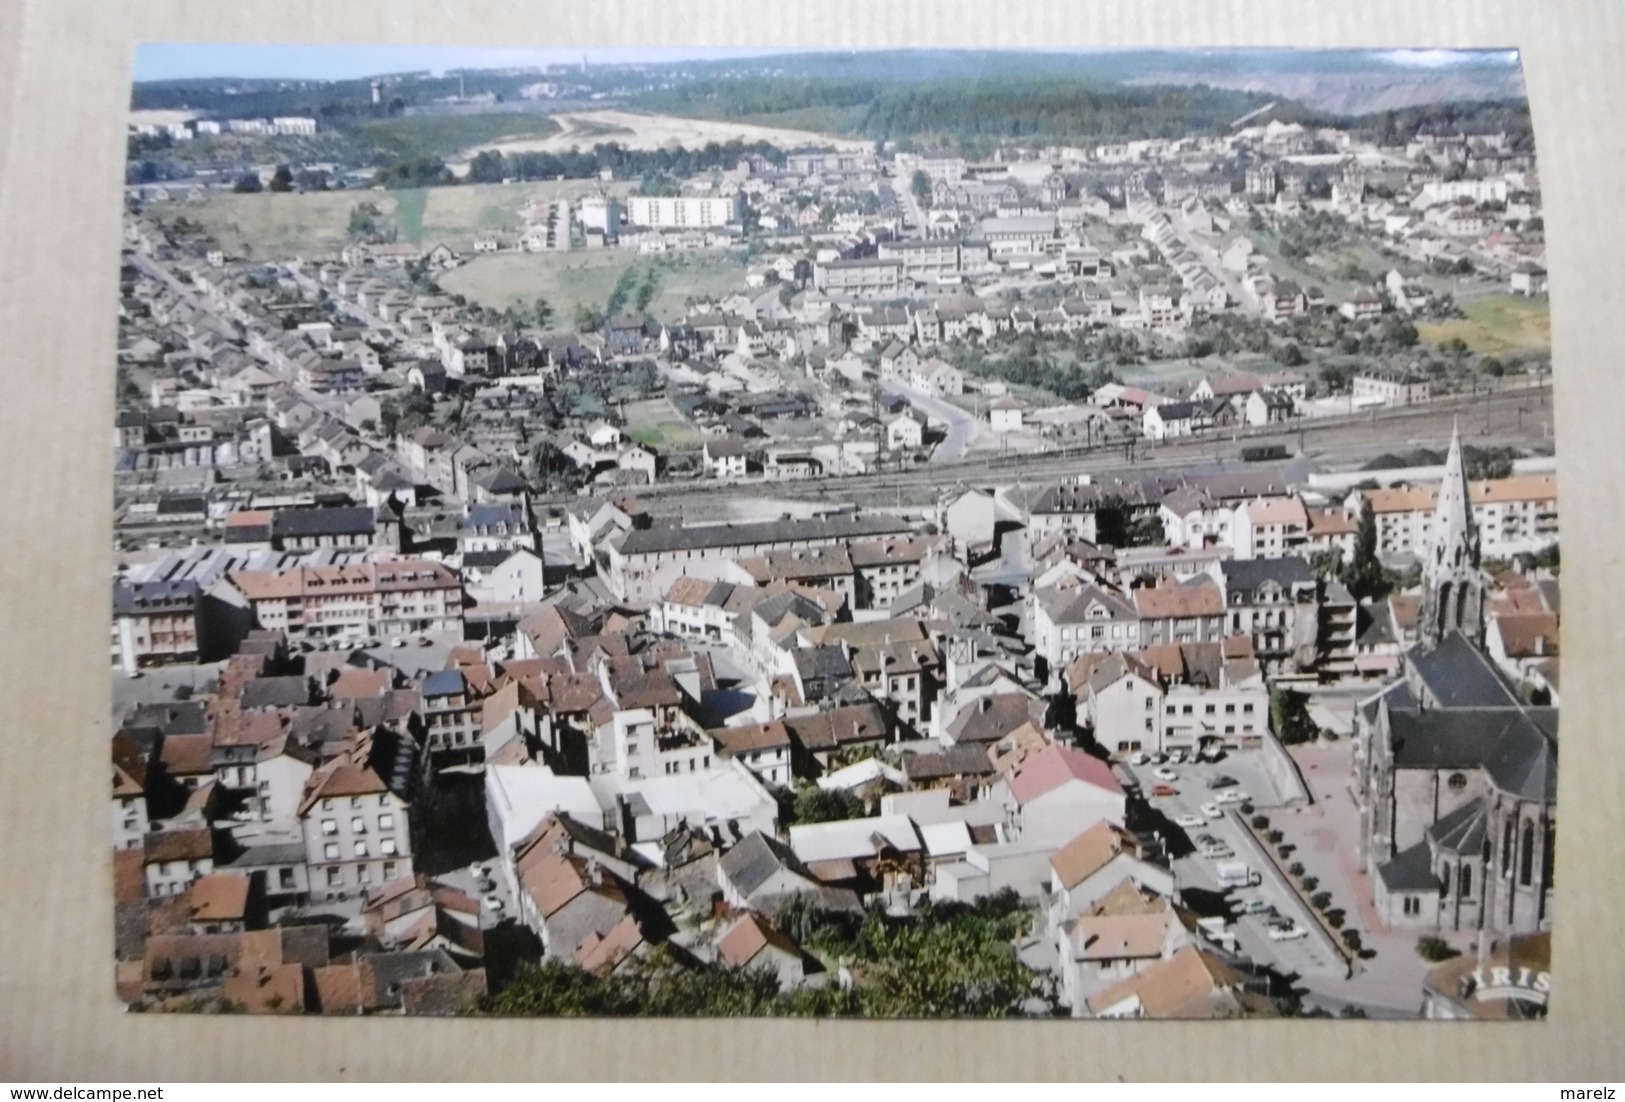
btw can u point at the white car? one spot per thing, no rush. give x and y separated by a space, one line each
1289 932
1165 774
1213 811
1137 758
1177 757
1189 820
1233 796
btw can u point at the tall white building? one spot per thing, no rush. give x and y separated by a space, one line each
686 212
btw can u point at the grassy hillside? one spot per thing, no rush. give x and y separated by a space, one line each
1497 325
271 226
568 280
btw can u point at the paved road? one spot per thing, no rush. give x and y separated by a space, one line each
961 425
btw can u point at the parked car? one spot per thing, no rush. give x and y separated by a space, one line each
1165 774
1188 820
1222 781
1233 796
1138 758
1177 757
1161 790
1219 852
1213 811
1289 932
1257 905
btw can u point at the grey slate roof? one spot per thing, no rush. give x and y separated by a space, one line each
1411 871
1459 676
1461 831
354 520
1512 745
650 541
1248 574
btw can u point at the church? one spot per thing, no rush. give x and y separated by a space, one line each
1455 774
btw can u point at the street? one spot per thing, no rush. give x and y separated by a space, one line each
961 425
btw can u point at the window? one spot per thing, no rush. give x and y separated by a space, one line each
1526 855
361 849
285 878
358 825
1187 709
363 874
1229 709
390 871
1457 782
331 851
1444 882
1466 888
1210 709
386 822
355 801
1247 709
335 877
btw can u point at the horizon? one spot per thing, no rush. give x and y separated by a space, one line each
160 62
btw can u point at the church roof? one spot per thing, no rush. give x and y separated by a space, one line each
1461 831
1458 675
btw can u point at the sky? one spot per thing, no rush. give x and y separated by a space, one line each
180 60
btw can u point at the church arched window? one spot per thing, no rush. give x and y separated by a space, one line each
1526 855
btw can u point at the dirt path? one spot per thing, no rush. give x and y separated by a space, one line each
635 130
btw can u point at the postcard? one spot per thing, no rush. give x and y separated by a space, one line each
898 533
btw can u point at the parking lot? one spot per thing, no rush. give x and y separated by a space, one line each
1192 800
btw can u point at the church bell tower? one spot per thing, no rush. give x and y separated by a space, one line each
1453 588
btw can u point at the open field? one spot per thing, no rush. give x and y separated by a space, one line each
655 423
567 280
456 215
635 130
270 226
1497 325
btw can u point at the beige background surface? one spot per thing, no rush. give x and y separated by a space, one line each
64 71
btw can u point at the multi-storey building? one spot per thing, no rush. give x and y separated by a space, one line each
354 602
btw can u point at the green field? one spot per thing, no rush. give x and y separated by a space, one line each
270 226
654 423
1497 325
567 280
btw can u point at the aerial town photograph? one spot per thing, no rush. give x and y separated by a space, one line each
893 533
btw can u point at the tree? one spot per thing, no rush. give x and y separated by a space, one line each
920 185
1364 574
587 319
248 183
282 179
816 805
487 167
312 179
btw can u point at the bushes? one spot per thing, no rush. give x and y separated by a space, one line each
1434 949
1262 822
1321 900
1295 869
1274 837
1310 883
1351 940
1335 919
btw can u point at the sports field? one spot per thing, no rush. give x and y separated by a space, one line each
1497 325
655 423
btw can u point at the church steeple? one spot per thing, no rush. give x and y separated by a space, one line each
1453 589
